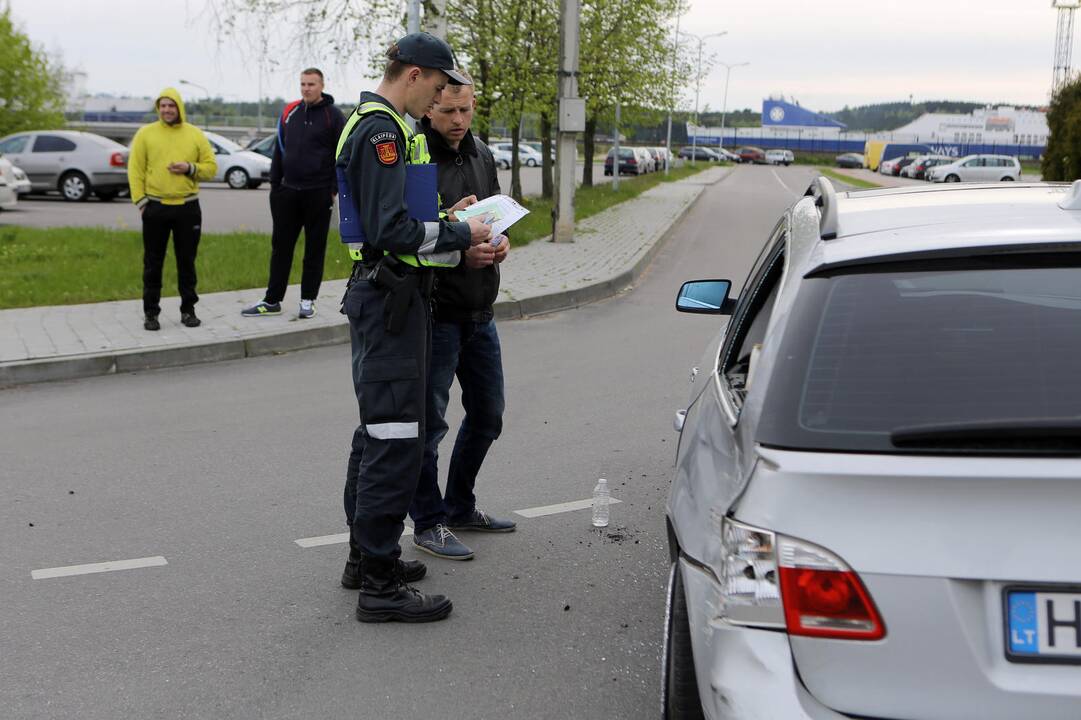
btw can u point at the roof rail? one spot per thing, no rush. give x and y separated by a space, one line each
821 189
1073 200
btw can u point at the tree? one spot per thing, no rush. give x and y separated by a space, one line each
1062 159
31 84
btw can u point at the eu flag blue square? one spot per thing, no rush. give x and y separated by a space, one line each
1024 628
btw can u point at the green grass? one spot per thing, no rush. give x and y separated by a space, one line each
848 179
72 265
66 266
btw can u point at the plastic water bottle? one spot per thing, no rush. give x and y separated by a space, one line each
601 500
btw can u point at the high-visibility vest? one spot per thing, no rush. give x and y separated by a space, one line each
416 154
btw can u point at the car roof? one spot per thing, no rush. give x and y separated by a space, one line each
895 223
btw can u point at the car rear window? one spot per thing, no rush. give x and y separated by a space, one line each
888 349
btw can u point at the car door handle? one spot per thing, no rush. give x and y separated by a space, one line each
681 417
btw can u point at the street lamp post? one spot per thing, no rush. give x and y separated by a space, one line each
724 107
672 100
698 86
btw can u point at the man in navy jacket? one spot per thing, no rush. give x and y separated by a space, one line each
302 189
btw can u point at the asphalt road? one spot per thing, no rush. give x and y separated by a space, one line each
219 468
224 210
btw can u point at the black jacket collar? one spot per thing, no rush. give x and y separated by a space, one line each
440 150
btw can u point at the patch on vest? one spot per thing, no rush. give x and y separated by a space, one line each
382 137
387 152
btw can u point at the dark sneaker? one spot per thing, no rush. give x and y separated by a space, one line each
410 570
150 322
260 309
441 542
189 319
479 521
307 309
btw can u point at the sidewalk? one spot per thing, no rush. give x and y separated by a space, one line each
72 341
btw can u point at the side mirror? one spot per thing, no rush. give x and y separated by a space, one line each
708 297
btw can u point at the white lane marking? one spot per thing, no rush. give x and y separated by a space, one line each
560 508
781 181
110 566
335 539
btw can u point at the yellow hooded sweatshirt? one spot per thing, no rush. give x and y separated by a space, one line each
156 146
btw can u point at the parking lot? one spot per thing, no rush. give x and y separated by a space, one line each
224 210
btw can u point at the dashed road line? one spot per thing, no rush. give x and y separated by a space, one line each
102 567
560 508
335 539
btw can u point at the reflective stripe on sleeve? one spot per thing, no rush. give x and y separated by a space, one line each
431 237
445 259
393 431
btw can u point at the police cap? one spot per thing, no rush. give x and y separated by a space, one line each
426 50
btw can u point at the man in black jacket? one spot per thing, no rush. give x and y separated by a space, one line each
302 189
464 341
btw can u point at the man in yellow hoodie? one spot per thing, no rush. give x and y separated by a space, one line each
168 159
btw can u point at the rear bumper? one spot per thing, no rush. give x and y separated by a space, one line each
109 180
743 673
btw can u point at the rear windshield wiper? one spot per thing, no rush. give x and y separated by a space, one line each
1037 433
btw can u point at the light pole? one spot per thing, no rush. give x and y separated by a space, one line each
672 100
724 108
698 86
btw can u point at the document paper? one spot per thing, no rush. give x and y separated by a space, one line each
501 210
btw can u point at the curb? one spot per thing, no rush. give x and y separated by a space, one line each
111 363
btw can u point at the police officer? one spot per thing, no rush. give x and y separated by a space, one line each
387 304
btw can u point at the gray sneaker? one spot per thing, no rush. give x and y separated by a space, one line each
261 309
307 309
441 542
480 521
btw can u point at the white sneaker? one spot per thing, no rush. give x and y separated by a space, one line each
307 308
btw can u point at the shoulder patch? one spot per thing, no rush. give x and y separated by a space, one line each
387 152
382 137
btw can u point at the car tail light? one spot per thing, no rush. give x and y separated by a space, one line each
632 161
117 160
823 597
771 580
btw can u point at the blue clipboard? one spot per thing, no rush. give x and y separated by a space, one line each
421 200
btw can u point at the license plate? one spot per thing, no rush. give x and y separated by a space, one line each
1043 625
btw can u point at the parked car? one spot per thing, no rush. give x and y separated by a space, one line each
978 168
629 162
751 154
780 157
874 508
699 153
645 159
237 167
526 155
664 157
918 169
76 164
886 166
901 165
658 157
850 160
9 196
728 155
502 158
16 177
263 145
539 147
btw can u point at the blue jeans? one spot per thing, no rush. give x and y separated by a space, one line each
471 351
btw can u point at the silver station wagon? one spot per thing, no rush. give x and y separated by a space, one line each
876 509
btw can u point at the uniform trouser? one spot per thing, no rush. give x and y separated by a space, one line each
389 378
185 223
470 351
291 211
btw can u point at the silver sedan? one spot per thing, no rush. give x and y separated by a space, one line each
75 164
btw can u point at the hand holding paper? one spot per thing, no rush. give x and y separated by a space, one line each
503 211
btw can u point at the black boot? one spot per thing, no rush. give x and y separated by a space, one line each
384 596
411 570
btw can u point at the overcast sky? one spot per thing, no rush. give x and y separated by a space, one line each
824 54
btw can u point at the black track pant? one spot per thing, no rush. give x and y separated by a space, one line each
389 376
293 210
185 223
